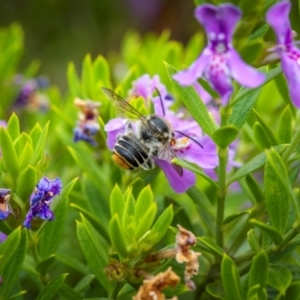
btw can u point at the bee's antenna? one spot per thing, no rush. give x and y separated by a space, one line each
161 102
189 137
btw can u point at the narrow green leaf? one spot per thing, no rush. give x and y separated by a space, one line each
293 291
116 202
270 230
84 283
94 252
102 70
284 132
158 230
215 289
211 245
254 164
129 208
67 293
35 134
256 292
230 279
26 156
193 103
143 202
9 154
12 269
73 81
225 136
38 150
125 292
145 221
233 217
13 127
253 240
259 270
261 137
279 278
87 77
8 248
46 265
27 182
254 188
51 289
117 236
73 263
276 192
194 168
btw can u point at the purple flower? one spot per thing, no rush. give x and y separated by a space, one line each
3 124
3 237
278 18
4 205
87 125
219 61
184 147
41 199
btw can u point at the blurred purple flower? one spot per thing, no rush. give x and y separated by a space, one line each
184 147
278 17
3 237
3 124
41 199
87 125
219 61
4 205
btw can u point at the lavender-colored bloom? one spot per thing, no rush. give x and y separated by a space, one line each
278 18
3 124
184 147
4 206
3 237
41 199
219 61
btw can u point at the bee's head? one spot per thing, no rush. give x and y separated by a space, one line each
160 128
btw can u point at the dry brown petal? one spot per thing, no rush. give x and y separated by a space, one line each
184 240
151 288
88 108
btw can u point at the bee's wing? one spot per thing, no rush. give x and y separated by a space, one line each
167 153
122 104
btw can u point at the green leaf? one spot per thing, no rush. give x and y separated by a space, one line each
13 127
9 154
253 240
51 232
159 229
261 137
8 248
35 134
73 81
66 293
116 202
252 165
26 156
51 289
225 136
27 182
193 103
276 192
46 265
279 278
94 252
256 292
259 270
10 273
87 77
233 217
143 202
284 132
231 279
102 70
252 50
73 263
270 230
254 188
215 289
293 291
38 149
211 245
145 221
84 283
125 292
117 236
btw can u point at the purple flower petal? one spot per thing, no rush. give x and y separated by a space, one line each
190 75
278 17
178 183
291 69
243 73
205 157
113 128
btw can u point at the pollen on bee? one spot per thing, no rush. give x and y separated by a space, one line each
121 162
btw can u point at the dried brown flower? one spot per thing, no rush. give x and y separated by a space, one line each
152 288
89 109
184 240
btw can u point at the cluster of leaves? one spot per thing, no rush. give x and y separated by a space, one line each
251 253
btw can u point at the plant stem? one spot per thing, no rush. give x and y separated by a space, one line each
33 248
223 157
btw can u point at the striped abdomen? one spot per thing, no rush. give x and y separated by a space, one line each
129 153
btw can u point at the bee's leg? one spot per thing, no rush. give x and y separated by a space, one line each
148 164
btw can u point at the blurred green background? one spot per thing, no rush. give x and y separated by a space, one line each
60 31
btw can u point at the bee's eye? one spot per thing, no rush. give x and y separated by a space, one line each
173 134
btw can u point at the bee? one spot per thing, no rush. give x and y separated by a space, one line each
145 137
